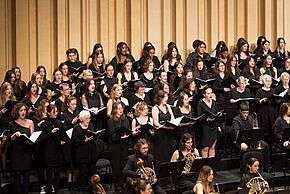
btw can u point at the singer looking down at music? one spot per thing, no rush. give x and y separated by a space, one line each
131 169
84 148
120 132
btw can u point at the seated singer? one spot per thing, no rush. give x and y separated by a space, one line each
136 170
244 121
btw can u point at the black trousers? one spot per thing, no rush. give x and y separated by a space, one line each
119 154
21 182
52 178
85 170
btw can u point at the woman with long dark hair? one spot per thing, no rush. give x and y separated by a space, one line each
173 56
148 53
52 88
32 99
123 54
92 100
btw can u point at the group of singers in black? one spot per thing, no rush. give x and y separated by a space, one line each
135 100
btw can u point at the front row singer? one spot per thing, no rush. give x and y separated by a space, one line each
209 125
134 170
119 143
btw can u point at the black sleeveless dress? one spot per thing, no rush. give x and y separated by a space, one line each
163 140
144 135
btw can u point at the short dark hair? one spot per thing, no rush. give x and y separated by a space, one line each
284 108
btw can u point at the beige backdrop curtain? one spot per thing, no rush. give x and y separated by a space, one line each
37 32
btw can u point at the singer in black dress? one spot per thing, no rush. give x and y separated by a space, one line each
209 125
163 139
21 149
84 149
267 111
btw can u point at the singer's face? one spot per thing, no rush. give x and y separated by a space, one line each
208 94
110 71
124 49
210 176
285 80
268 83
151 67
72 57
53 113
145 111
163 77
120 110
255 167
174 53
64 70
72 104
128 67
242 84
189 75
141 90
33 89
192 86
86 120
166 89
92 86
185 100
200 65
252 63
118 91
22 112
